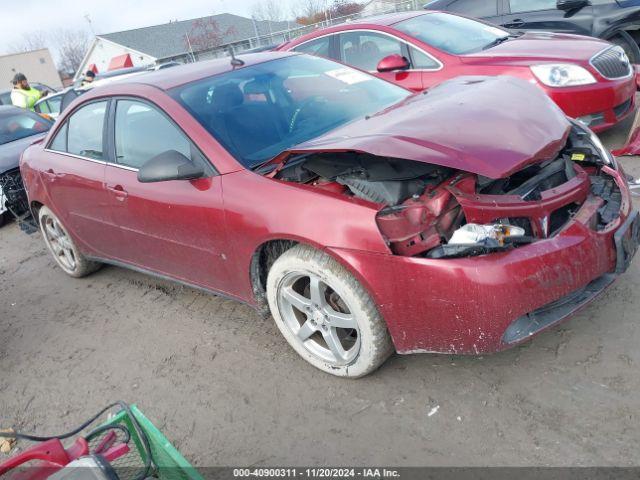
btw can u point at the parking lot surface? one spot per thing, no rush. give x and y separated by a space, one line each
225 387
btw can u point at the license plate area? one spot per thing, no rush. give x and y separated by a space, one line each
627 239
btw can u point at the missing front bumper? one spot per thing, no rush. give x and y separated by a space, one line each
555 312
627 240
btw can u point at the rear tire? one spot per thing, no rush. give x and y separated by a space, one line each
62 247
325 314
631 48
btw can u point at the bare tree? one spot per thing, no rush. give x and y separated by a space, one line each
67 46
71 47
307 12
34 40
206 34
268 10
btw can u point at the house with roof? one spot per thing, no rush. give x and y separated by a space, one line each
37 65
182 41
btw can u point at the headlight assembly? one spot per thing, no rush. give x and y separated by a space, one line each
562 75
604 153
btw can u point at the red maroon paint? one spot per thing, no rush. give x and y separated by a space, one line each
206 232
510 58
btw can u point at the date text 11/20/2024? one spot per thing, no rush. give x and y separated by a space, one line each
315 473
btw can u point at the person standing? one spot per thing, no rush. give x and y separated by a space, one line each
23 95
88 79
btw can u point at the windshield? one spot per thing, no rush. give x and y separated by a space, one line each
452 34
259 111
15 125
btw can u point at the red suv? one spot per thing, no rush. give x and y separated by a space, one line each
590 79
365 218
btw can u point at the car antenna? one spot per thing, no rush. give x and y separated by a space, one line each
236 62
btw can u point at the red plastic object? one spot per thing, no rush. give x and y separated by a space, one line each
93 68
50 456
632 146
393 63
121 61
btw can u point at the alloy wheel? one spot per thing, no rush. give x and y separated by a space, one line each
59 243
319 318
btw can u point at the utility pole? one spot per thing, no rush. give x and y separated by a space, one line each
193 57
255 29
88 19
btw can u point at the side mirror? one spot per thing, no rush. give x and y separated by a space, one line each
569 5
169 165
393 63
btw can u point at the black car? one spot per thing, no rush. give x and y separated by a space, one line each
19 128
615 20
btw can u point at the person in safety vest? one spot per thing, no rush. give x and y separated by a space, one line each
23 95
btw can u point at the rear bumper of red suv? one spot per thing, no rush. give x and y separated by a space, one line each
601 106
489 303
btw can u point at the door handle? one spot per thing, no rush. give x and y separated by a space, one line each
517 23
118 191
51 174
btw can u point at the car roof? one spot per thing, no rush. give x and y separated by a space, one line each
386 19
168 78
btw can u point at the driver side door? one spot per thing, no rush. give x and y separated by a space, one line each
174 228
544 15
364 49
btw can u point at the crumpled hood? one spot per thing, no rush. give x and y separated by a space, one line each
10 152
491 126
536 47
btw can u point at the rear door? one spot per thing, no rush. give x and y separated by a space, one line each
544 15
176 228
74 177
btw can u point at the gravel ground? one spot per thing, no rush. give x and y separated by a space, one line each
224 386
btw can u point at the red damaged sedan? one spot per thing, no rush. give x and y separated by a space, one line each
590 79
365 218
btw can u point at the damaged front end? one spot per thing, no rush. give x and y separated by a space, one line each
13 199
437 212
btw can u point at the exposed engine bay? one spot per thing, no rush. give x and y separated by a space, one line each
13 198
437 212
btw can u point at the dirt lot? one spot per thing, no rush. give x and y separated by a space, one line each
227 390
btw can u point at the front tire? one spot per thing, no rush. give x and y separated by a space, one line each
62 247
325 314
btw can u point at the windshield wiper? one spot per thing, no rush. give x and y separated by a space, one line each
498 41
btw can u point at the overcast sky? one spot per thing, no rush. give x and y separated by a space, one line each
18 18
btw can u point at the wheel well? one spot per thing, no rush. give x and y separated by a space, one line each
635 34
261 262
35 207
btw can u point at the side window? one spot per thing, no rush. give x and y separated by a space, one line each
84 131
520 6
422 61
364 50
142 132
318 47
59 143
42 107
475 8
54 104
